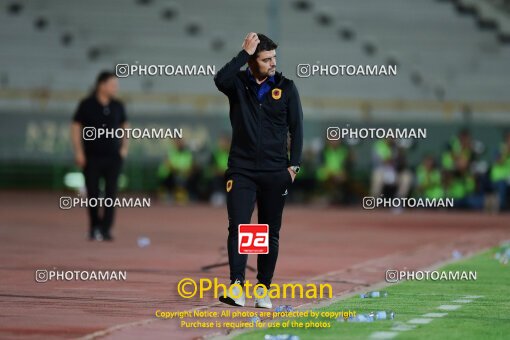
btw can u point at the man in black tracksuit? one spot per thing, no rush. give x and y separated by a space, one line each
264 109
100 157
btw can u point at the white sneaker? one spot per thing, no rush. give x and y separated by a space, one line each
98 236
237 297
265 301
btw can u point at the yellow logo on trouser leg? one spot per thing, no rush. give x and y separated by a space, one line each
229 184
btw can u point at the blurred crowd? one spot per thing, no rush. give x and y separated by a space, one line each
457 172
330 173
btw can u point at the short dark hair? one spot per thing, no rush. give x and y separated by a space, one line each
102 77
265 44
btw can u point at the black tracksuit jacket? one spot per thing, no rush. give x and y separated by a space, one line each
260 129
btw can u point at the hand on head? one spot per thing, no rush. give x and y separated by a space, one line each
250 43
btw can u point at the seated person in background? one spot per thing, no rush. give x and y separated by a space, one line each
500 172
459 154
428 179
390 174
216 170
458 181
177 172
334 169
462 188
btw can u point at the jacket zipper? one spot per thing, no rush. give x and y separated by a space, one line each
259 123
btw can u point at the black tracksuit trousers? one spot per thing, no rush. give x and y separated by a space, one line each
269 189
96 168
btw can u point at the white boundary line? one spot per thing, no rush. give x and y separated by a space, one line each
425 319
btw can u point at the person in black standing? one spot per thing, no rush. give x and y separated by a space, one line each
265 110
100 157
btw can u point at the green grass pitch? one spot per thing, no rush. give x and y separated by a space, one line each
487 317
